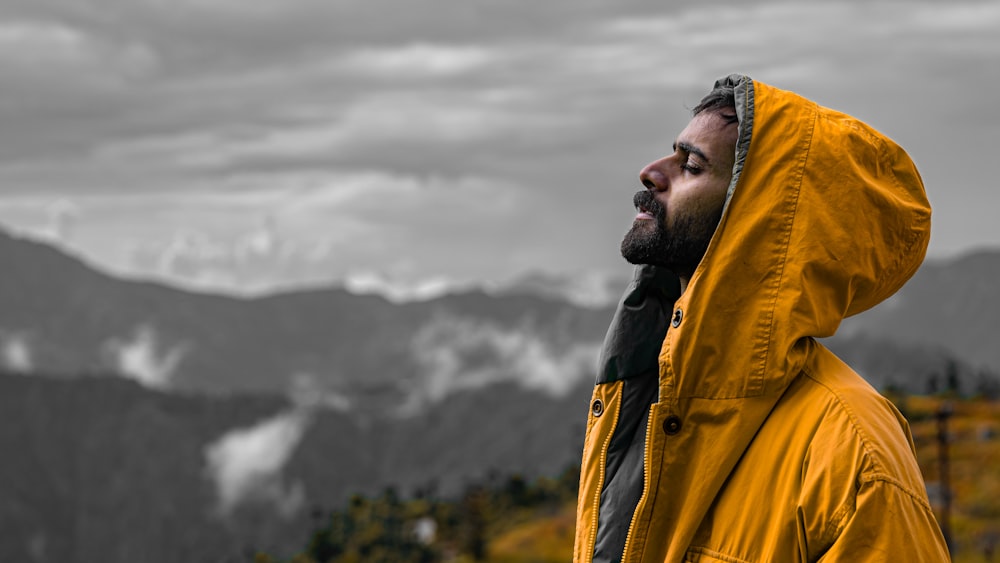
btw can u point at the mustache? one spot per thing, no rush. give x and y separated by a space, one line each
644 200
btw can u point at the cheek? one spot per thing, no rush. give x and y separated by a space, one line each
717 203
714 196
701 202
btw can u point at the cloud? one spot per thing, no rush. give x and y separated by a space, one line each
307 392
35 42
591 290
956 17
401 291
192 116
337 228
246 464
374 131
415 60
63 217
458 354
40 52
15 352
139 357
257 261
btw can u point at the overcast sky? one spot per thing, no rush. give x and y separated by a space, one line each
247 143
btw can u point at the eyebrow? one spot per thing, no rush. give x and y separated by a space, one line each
687 147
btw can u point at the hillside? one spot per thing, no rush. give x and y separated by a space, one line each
106 470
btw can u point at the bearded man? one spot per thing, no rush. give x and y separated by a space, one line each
720 429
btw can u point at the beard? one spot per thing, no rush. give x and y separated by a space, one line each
679 248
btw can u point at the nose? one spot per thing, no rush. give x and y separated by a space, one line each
653 176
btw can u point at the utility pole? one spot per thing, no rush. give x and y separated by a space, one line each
944 411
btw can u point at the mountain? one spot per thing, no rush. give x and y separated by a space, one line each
954 304
593 290
103 469
62 317
238 418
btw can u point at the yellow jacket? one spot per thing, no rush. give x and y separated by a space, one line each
756 442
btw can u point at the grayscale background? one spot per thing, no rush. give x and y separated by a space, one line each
257 256
409 147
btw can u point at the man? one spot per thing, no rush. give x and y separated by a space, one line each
720 429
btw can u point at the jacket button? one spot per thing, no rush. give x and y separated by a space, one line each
672 425
597 408
678 316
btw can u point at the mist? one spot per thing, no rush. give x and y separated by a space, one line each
141 357
246 464
460 354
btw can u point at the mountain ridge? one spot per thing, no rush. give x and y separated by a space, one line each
64 317
76 319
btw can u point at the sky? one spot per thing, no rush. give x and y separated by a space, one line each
246 147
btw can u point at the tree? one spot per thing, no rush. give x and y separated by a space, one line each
952 383
473 511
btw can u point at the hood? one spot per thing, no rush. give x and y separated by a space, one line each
825 218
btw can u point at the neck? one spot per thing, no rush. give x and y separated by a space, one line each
684 283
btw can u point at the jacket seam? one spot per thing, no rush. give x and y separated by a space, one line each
877 473
865 440
785 243
913 235
874 477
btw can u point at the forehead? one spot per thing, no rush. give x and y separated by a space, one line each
710 133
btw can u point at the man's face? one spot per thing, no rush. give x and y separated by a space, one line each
685 191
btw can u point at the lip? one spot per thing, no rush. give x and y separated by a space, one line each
646 206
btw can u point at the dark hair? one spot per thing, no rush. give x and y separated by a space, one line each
721 98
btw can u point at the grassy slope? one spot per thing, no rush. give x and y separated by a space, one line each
974 467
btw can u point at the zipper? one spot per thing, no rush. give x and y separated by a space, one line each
645 483
600 486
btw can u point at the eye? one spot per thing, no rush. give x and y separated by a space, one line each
691 166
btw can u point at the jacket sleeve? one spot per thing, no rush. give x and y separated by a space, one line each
887 523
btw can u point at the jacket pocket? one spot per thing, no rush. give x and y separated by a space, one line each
705 555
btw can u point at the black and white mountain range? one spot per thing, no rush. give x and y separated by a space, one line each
145 423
